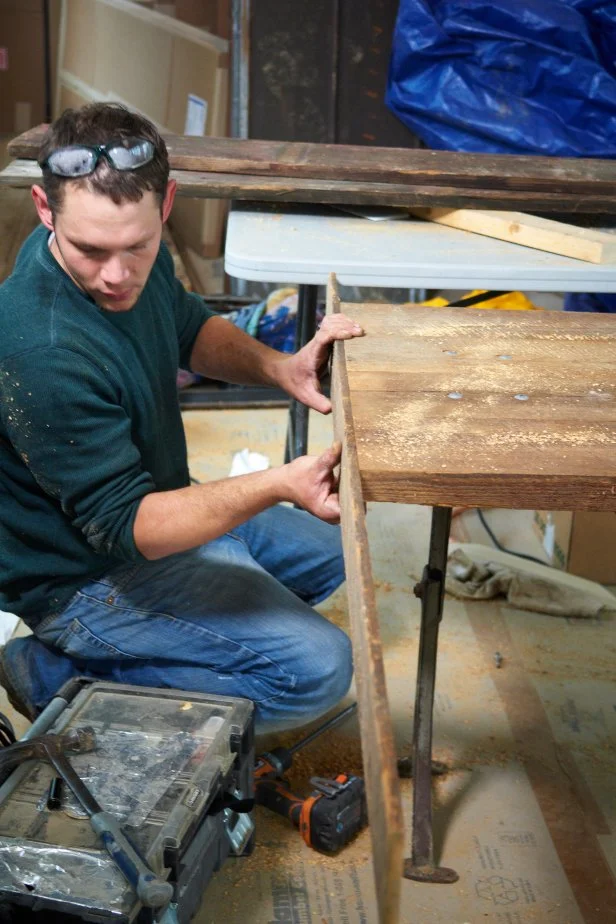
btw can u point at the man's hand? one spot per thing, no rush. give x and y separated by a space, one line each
313 485
299 375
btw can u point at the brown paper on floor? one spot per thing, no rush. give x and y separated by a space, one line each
548 711
509 870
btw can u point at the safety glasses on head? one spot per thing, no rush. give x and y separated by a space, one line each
81 159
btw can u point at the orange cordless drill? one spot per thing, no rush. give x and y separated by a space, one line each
333 813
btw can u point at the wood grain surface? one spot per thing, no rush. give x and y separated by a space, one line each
377 740
23 172
484 407
500 180
589 244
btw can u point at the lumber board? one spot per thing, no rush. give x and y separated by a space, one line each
450 178
593 246
484 408
24 172
378 748
399 165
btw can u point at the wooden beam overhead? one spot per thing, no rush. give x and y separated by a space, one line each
525 182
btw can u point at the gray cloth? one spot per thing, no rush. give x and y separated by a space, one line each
477 572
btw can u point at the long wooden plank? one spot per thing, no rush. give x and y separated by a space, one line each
572 817
378 748
529 231
485 408
24 172
572 177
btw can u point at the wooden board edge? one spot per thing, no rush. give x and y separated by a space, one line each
257 185
20 174
538 233
378 746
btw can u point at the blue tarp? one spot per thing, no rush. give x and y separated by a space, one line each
507 76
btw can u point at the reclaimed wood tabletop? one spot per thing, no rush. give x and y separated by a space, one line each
455 406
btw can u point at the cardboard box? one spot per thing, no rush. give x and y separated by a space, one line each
173 73
582 543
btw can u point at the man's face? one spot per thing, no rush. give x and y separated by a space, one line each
107 249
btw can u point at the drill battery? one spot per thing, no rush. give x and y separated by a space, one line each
327 819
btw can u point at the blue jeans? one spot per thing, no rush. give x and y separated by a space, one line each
234 617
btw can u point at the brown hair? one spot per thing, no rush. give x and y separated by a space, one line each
99 123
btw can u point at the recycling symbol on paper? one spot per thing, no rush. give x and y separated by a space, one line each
497 889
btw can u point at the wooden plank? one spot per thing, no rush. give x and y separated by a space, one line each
569 811
378 747
24 172
529 231
570 177
485 408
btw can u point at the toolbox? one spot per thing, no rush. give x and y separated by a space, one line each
174 768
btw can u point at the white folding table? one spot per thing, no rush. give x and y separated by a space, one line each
304 244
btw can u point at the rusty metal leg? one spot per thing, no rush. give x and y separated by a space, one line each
431 590
297 429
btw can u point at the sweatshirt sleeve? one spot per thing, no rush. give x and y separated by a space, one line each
67 423
190 311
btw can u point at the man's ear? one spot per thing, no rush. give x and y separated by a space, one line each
42 206
168 200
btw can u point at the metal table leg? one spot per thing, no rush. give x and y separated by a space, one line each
297 429
431 590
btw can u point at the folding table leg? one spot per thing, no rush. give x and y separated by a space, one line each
297 429
431 590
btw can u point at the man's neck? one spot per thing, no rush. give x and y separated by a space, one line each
52 243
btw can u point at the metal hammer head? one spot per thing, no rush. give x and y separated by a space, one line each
77 739
46 747
74 740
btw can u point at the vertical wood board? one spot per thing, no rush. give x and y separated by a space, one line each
378 747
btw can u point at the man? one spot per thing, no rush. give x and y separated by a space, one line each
121 567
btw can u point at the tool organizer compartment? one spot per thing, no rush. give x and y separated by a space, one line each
165 765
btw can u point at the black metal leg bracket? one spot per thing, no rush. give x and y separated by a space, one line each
431 590
297 431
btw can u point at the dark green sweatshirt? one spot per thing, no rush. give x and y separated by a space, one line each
89 423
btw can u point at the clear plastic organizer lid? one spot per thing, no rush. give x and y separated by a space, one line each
158 754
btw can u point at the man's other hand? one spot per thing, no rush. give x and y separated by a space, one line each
313 483
299 375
